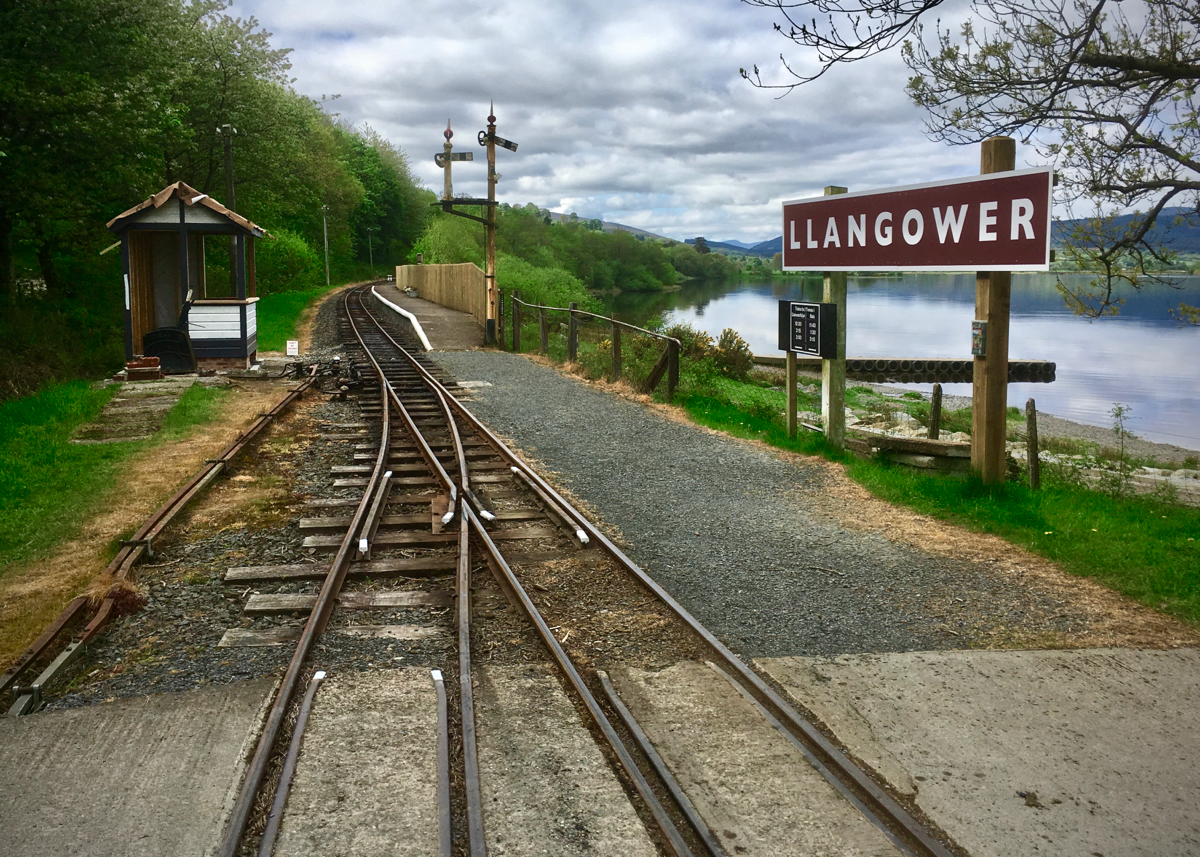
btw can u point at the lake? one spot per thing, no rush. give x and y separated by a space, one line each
1141 358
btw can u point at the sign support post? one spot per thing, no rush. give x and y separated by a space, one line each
791 393
833 372
989 395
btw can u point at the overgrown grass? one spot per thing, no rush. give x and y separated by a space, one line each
48 485
1137 545
279 313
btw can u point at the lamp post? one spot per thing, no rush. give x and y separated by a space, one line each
370 250
325 228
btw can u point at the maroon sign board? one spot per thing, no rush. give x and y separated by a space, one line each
995 222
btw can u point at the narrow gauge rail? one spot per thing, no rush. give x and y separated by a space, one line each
428 442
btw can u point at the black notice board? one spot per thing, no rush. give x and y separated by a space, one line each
808 328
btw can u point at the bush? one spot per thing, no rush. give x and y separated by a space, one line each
733 355
287 264
693 344
549 286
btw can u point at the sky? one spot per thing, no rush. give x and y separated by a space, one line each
630 111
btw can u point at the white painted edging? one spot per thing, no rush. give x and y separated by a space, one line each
412 318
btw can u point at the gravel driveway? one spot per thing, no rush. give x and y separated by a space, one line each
731 531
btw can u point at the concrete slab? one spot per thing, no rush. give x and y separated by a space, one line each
148 776
757 793
447 329
366 779
1091 752
546 787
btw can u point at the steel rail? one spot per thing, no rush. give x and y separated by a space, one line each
508 580
315 625
875 803
122 564
882 808
462 585
267 844
505 576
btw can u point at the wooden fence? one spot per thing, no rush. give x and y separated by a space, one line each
459 287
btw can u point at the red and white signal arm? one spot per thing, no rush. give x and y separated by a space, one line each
995 222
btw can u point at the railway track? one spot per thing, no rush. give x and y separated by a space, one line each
432 509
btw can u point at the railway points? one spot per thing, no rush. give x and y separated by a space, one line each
410 540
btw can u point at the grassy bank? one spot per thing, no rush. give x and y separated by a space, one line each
48 485
1137 545
279 313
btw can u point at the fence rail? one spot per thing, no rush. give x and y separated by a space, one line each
667 365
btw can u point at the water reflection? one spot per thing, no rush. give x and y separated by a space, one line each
1140 358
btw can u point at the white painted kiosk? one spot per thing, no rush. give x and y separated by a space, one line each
168 309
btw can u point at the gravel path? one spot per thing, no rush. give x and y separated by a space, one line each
729 529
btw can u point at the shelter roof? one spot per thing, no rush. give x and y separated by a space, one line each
190 196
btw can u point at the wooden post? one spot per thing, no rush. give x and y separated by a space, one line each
989 395
833 372
516 322
500 317
935 412
672 368
543 330
616 350
572 332
1031 446
791 394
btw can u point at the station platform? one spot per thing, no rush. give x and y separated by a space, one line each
445 329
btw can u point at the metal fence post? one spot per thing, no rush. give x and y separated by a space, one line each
616 350
516 323
545 333
572 332
672 368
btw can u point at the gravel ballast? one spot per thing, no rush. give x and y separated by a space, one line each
728 528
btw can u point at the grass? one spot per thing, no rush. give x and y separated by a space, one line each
1140 546
279 313
49 485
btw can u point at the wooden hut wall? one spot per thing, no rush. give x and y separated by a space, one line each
141 285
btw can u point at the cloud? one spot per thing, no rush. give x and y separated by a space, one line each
627 111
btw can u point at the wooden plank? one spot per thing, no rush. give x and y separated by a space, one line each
490 478
523 533
921 446
409 633
253 638
402 539
342 523
421 566
359 482
268 603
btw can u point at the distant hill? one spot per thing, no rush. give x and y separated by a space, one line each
1182 239
729 248
608 227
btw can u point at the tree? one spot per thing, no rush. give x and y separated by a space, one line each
702 246
1106 91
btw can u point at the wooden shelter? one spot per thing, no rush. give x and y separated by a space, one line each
167 296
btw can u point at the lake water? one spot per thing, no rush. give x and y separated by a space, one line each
1141 358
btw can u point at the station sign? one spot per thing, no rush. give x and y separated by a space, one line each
995 222
808 328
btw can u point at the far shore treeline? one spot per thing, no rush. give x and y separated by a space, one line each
104 102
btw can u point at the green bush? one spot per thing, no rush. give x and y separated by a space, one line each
287 264
549 286
733 355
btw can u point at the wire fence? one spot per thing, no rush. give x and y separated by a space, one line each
601 346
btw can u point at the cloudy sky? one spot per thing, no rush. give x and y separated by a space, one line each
627 110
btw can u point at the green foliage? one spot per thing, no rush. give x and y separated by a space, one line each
547 286
287 263
692 263
733 355
103 103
